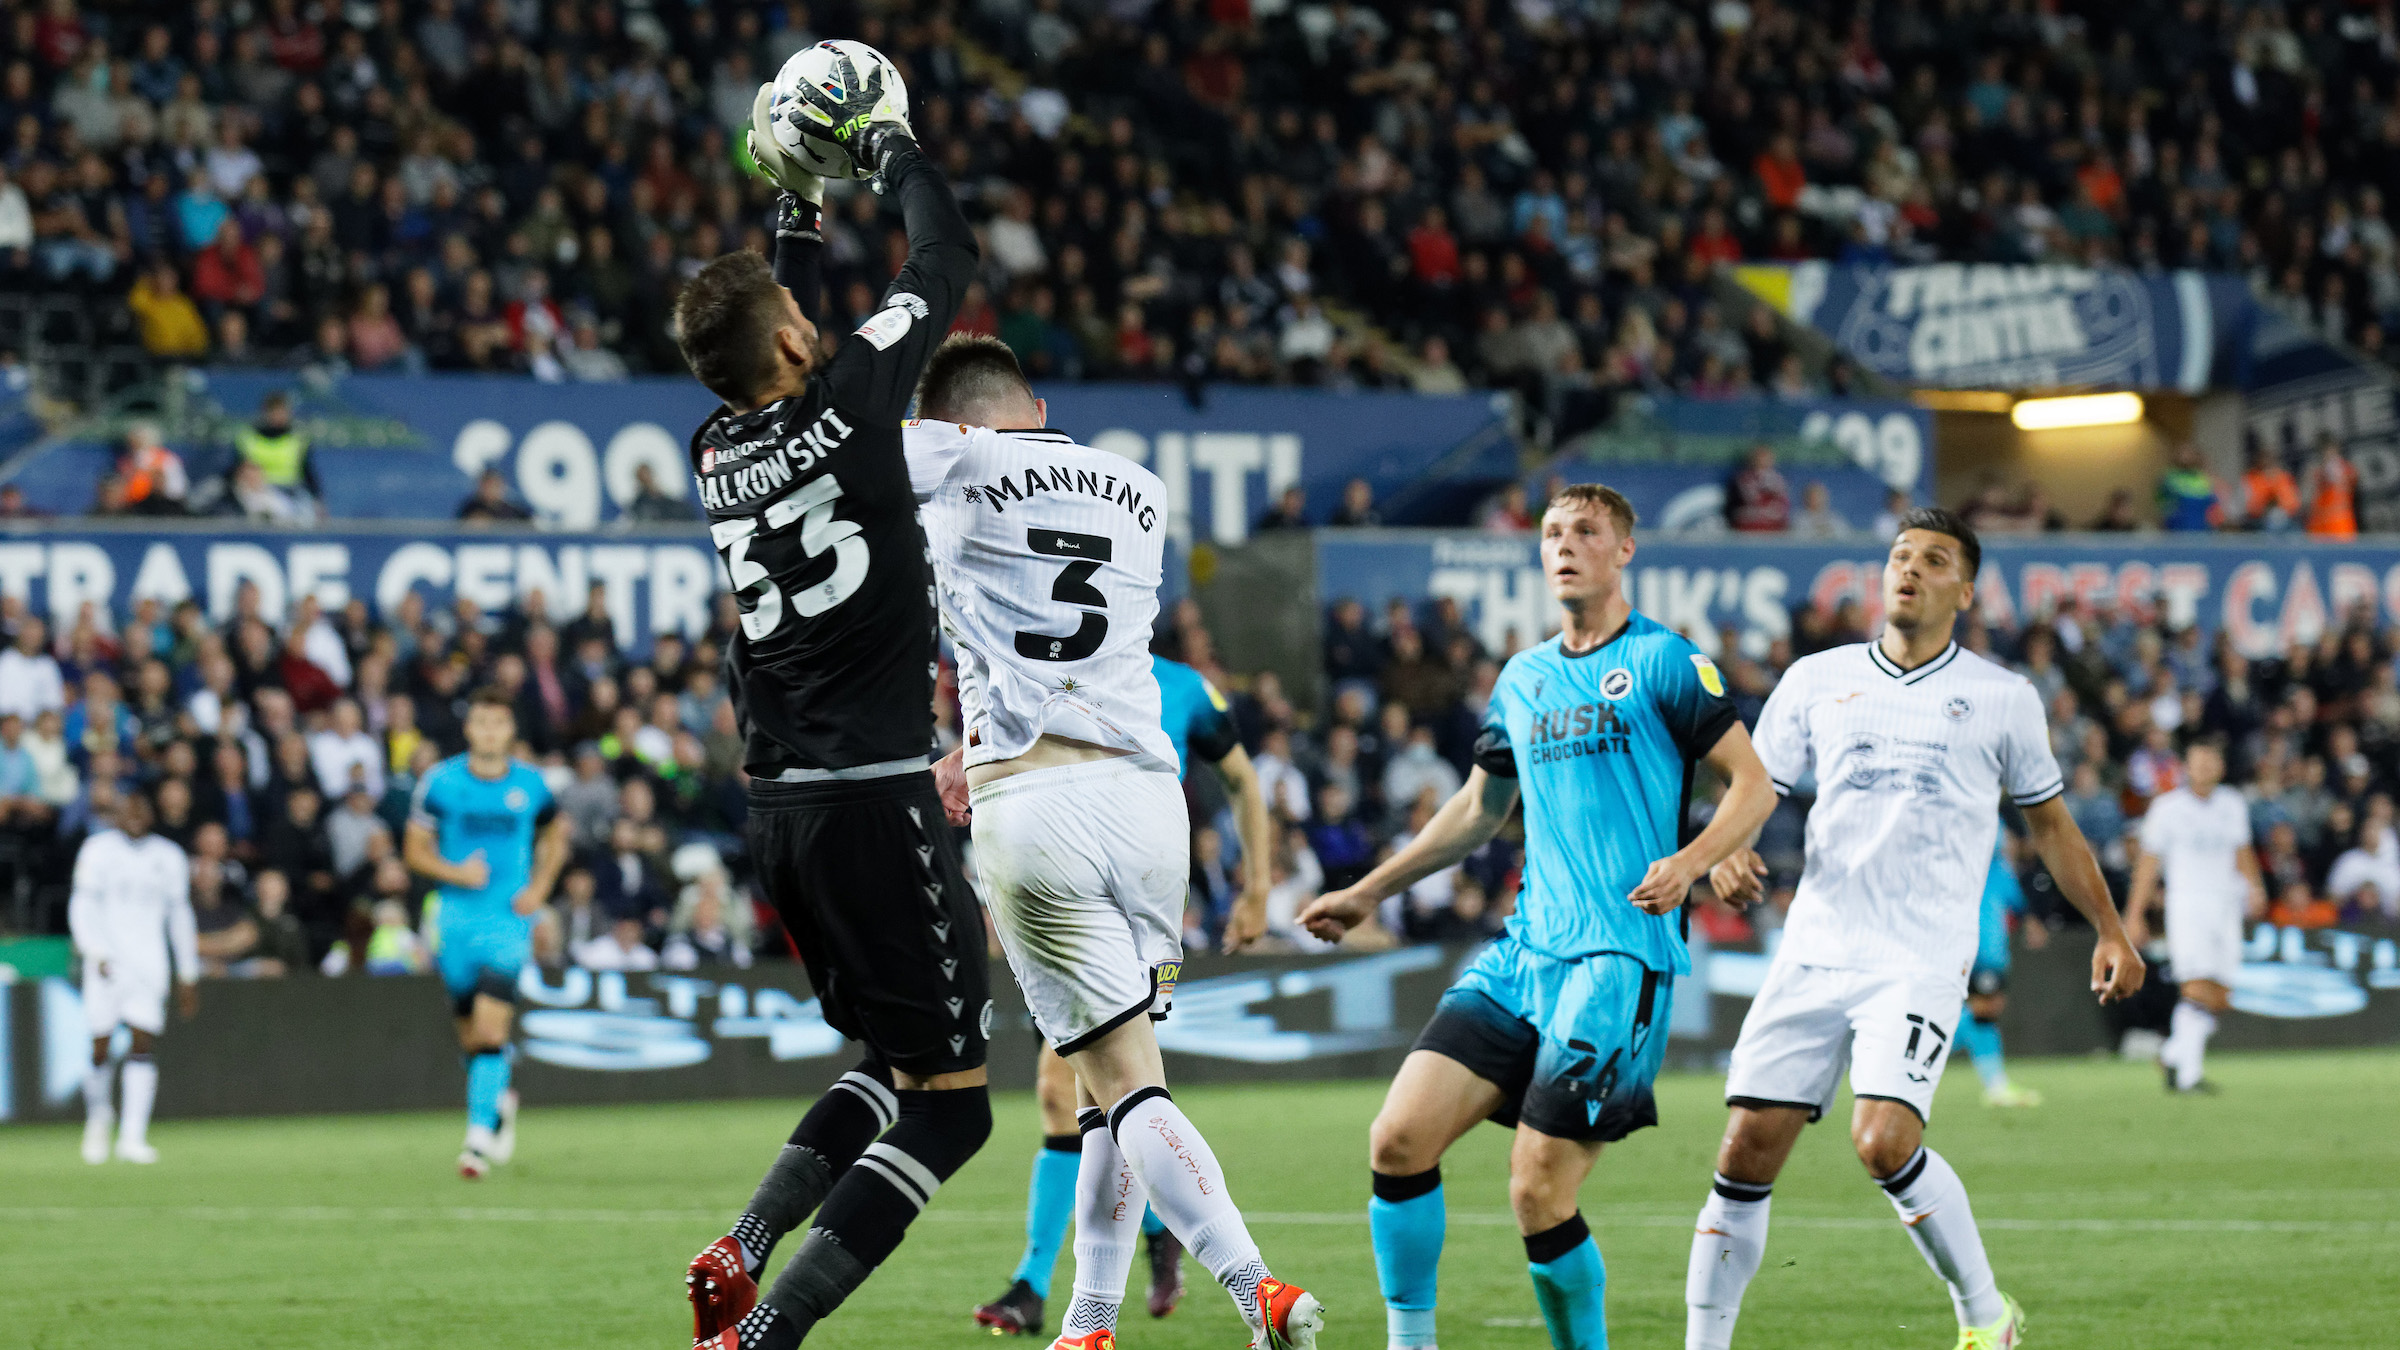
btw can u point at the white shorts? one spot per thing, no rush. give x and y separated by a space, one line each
130 995
1085 868
1891 1028
2204 940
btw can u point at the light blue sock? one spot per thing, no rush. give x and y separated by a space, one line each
1407 1220
1049 1204
1982 1040
487 1078
1152 1225
1571 1285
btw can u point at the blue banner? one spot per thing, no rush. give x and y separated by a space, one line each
396 447
655 582
1988 325
2265 595
1671 456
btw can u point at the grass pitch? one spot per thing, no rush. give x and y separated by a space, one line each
2269 1216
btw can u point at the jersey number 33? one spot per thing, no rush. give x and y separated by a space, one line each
754 586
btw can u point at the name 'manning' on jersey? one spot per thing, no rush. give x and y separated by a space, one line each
1602 745
1047 555
1910 767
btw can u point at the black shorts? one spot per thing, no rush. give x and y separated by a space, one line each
867 879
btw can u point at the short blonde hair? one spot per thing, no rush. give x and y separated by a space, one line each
1596 497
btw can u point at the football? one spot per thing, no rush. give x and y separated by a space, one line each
808 90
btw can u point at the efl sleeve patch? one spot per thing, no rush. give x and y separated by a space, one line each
1710 680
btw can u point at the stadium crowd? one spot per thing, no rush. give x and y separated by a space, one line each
282 754
1530 195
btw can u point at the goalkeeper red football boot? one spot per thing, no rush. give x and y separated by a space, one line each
721 1290
1166 1272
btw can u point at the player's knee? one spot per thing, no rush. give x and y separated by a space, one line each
1541 1197
1743 1156
1399 1147
1884 1143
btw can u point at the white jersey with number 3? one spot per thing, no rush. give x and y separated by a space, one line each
1047 555
1911 767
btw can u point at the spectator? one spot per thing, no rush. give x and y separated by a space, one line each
30 682
1358 506
1756 499
1290 511
2330 491
1338 840
650 505
491 505
279 450
2270 497
1509 512
2188 499
1418 769
620 948
170 324
282 947
1817 518
393 948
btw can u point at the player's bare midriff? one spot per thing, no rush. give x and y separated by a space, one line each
1048 752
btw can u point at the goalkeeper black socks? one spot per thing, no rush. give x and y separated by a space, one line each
869 1210
859 1106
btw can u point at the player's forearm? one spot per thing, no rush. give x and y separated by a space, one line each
1464 824
549 859
1749 799
941 245
1251 823
2077 871
424 858
799 250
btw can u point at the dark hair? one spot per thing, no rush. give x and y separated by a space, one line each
492 696
1597 497
725 322
968 373
1939 521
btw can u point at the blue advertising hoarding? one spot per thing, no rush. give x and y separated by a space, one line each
2264 593
1995 326
654 581
408 447
1671 456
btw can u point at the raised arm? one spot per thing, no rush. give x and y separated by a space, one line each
2116 967
875 372
1465 823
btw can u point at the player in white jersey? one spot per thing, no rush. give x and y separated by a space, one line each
2197 840
1047 556
1912 742
132 903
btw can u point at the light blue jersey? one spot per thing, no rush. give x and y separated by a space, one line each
1195 715
1602 745
484 941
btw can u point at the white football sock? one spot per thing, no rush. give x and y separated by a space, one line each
141 1088
1731 1238
95 1091
2191 1025
1109 1201
1187 1188
1932 1201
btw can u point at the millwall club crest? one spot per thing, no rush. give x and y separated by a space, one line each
1616 684
516 800
1958 710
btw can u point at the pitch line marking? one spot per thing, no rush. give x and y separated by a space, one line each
1466 1218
